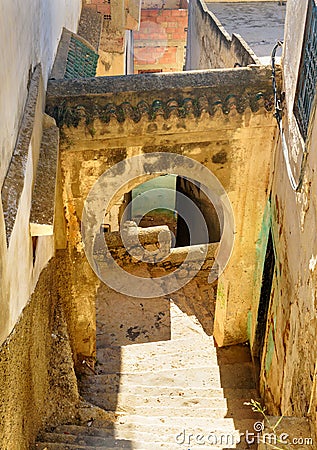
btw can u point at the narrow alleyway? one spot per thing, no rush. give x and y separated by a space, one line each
162 381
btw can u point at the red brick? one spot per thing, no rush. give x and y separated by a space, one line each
104 9
179 35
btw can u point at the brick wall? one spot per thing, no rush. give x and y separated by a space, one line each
101 6
160 43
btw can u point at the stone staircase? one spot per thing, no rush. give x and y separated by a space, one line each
176 393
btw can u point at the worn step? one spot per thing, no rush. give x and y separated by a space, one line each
175 422
85 440
140 446
124 401
96 385
200 377
115 402
187 324
153 434
109 442
147 427
167 346
163 394
233 354
78 430
110 432
232 376
111 359
216 408
65 446
202 413
111 384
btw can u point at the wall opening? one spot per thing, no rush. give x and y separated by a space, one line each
265 296
193 191
149 211
160 201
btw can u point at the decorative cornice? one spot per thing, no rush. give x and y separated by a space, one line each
69 115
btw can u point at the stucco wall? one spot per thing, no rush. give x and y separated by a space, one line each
209 46
37 382
288 377
29 35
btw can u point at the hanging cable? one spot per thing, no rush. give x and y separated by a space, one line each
278 115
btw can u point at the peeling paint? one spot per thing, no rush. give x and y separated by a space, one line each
269 351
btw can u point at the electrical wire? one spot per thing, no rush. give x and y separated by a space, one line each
296 186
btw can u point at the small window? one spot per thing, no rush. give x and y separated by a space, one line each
107 16
307 79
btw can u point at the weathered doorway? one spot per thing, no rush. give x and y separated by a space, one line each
267 279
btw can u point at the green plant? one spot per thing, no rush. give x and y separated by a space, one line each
278 444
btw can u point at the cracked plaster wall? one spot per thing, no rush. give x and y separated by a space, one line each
33 331
288 377
29 34
38 386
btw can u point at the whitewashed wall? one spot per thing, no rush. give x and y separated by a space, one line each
29 34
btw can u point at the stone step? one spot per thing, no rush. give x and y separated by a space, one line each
63 446
121 401
170 426
96 385
145 423
81 430
109 432
138 446
97 441
233 354
186 323
164 411
186 411
111 359
236 375
215 407
168 346
85 440
143 437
